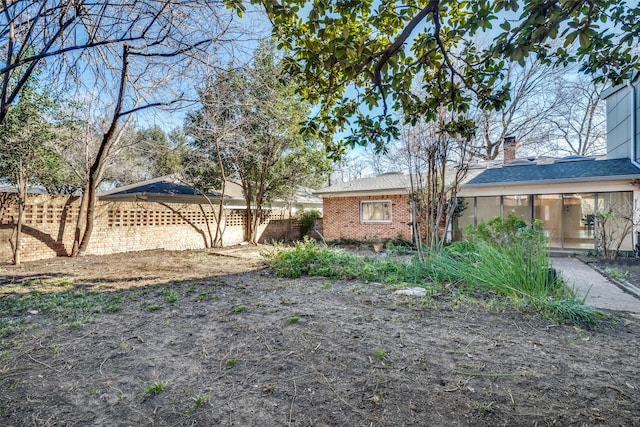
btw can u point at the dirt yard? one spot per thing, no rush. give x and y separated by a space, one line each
196 339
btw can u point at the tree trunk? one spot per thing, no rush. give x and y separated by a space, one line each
22 198
256 224
96 170
89 216
80 222
248 229
218 243
219 230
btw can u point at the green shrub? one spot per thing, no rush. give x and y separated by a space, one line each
510 256
313 259
507 230
308 220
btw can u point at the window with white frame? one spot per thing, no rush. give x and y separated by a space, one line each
375 211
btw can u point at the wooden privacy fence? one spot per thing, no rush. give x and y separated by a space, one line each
49 226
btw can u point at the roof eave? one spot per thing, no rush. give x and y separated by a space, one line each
613 89
403 190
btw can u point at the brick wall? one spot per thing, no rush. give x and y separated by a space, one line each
341 219
49 226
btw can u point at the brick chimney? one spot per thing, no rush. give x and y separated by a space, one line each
509 149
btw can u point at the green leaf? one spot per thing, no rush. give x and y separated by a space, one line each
585 41
570 38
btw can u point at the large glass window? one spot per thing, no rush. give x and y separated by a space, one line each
570 221
518 204
466 218
615 212
487 208
578 221
375 211
548 209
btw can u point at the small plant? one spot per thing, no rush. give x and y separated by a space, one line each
326 285
293 319
239 308
63 282
114 305
232 362
154 307
155 388
568 310
202 296
358 290
76 324
483 410
113 308
201 400
171 296
380 354
8 327
593 252
615 273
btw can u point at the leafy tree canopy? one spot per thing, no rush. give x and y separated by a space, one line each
24 155
250 123
162 152
361 59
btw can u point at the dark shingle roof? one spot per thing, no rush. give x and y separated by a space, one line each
585 170
163 187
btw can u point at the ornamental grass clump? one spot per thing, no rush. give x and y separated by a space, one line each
512 258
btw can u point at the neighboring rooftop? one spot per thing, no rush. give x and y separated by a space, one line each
394 181
170 188
567 171
163 186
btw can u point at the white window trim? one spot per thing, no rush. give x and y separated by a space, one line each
379 221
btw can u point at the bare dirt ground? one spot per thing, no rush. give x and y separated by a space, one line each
195 339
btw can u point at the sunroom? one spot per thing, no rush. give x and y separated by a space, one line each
579 200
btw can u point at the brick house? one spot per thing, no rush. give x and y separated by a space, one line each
371 209
566 194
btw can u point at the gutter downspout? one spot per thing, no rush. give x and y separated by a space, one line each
634 153
633 113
